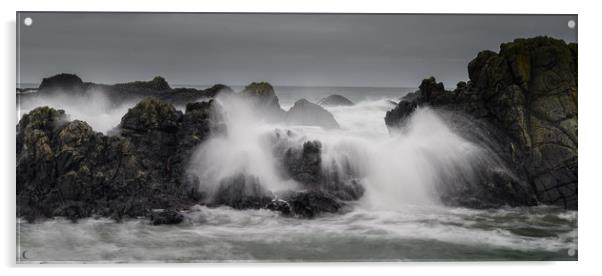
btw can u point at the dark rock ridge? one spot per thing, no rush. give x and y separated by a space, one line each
260 94
64 168
526 95
157 84
157 88
335 100
304 112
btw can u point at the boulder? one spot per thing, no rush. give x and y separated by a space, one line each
304 112
335 100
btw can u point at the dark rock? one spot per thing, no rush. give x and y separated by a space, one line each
159 217
279 205
242 192
312 203
262 94
62 82
64 168
304 165
335 100
398 115
151 114
527 94
305 113
157 84
183 96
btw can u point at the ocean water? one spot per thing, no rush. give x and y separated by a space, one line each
398 219
222 234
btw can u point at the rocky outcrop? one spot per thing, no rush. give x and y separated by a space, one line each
62 82
64 168
527 94
304 112
118 93
335 100
262 94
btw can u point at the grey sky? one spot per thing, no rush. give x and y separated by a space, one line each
284 49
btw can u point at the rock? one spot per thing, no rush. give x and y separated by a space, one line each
62 82
527 93
65 168
305 113
159 217
156 84
262 94
151 114
305 166
312 203
279 205
335 100
183 96
242 192
398 115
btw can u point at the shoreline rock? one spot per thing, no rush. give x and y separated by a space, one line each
527 94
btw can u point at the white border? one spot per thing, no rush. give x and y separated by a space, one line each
590 101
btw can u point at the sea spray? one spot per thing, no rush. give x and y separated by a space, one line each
408 166
244 149
94 107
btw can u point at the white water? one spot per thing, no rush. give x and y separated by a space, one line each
224 234
398 169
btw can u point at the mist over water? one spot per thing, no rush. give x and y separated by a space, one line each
404 167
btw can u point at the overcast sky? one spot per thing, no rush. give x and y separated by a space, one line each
284 49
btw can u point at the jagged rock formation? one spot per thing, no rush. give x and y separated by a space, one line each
527 95
64 168
335 100
304 112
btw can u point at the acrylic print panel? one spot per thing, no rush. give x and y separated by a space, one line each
202 137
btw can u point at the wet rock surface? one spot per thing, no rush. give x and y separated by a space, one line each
527 96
